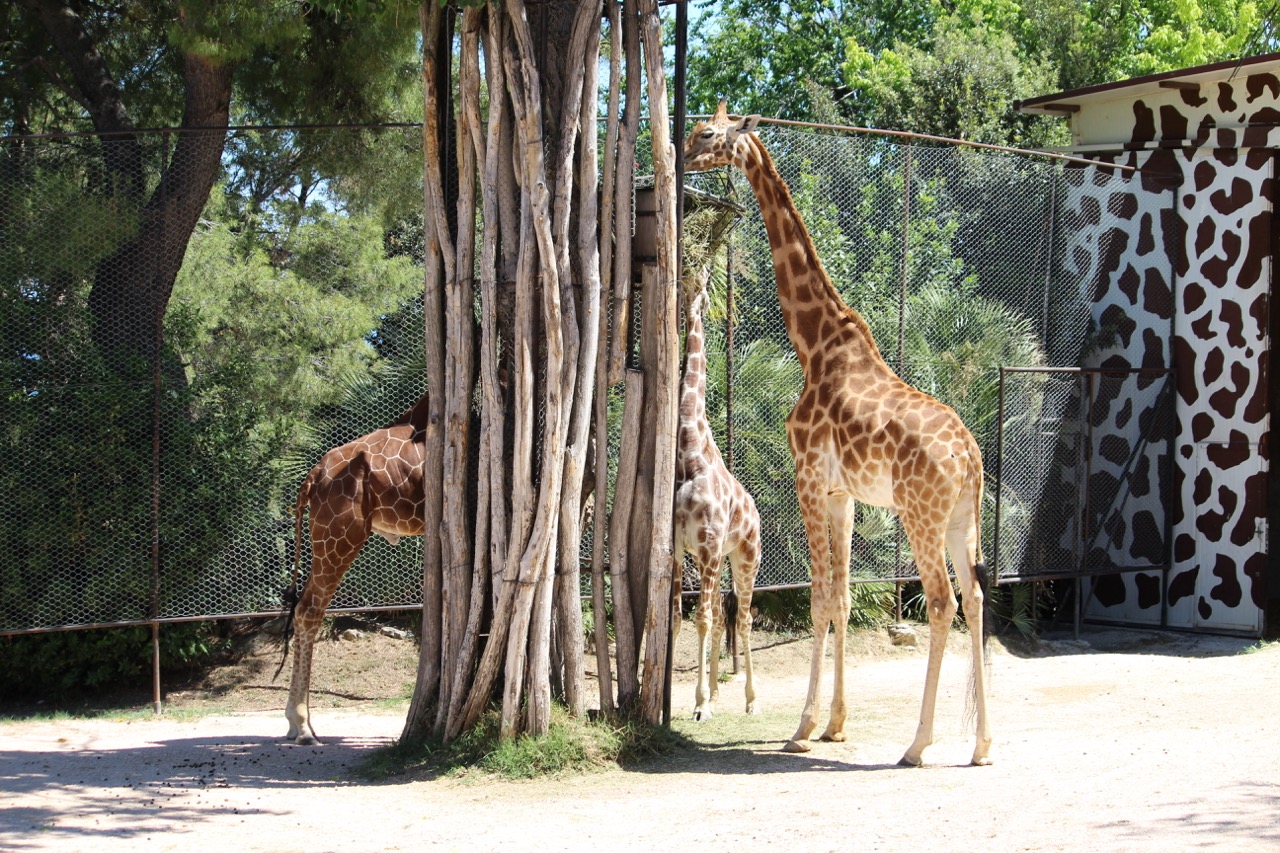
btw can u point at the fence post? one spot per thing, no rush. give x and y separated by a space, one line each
902 336
157 390
728 356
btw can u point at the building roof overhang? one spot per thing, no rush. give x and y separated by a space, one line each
1071 102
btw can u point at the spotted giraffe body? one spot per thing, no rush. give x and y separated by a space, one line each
859 433
372 484
715 517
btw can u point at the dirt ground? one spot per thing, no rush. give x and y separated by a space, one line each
1117 741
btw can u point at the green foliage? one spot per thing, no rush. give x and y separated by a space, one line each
1020 607
1113 40
961 84
783 59
786 611
951 69
872 605
293 315
64 666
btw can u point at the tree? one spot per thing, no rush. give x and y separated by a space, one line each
293 307
950 69
782 59
116 67
962 85
501 582
1113 40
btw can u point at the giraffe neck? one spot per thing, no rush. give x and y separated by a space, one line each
694 425
811 306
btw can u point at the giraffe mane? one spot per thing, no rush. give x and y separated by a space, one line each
785 200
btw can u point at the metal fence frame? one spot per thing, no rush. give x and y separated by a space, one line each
1052 228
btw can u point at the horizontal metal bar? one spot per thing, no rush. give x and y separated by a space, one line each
174 620
1106 371
1077 573
911 135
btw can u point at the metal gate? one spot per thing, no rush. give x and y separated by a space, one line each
1083 475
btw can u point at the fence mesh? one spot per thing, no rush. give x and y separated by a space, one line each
962 261
163 399
155 440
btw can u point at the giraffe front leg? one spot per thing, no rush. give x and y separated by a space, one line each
706 695
811 494
840 510
839 711
809 716
297 710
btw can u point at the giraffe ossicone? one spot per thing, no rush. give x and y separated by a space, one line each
372 484
714 517
859 433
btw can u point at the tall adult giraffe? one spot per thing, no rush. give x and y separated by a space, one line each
859 433
714 517
372 484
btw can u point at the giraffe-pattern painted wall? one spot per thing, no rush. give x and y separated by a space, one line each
1218 235
1121 224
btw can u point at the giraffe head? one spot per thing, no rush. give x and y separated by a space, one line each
714 143
694 289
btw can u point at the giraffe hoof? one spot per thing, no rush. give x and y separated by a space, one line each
981 761
796 746
701 715
752 710
908 761
834 737
307 740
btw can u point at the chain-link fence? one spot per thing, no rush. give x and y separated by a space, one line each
170 375
963 261
163 397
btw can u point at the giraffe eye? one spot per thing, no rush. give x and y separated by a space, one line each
707 134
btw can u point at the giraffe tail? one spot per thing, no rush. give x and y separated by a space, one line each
729 603
983 579
290 594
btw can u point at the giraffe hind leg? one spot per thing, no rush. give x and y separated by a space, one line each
940 600
708 594
746 563
327 569
972 580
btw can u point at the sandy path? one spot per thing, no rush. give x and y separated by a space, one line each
1126 742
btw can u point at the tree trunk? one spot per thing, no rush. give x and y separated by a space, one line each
435 57
132 286
653 695
543 367
601 420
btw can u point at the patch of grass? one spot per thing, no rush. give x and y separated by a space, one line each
1261 645
572 746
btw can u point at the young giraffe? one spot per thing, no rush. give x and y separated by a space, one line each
370 485
858 432
715 517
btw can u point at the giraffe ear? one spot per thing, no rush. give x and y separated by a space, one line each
748 123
